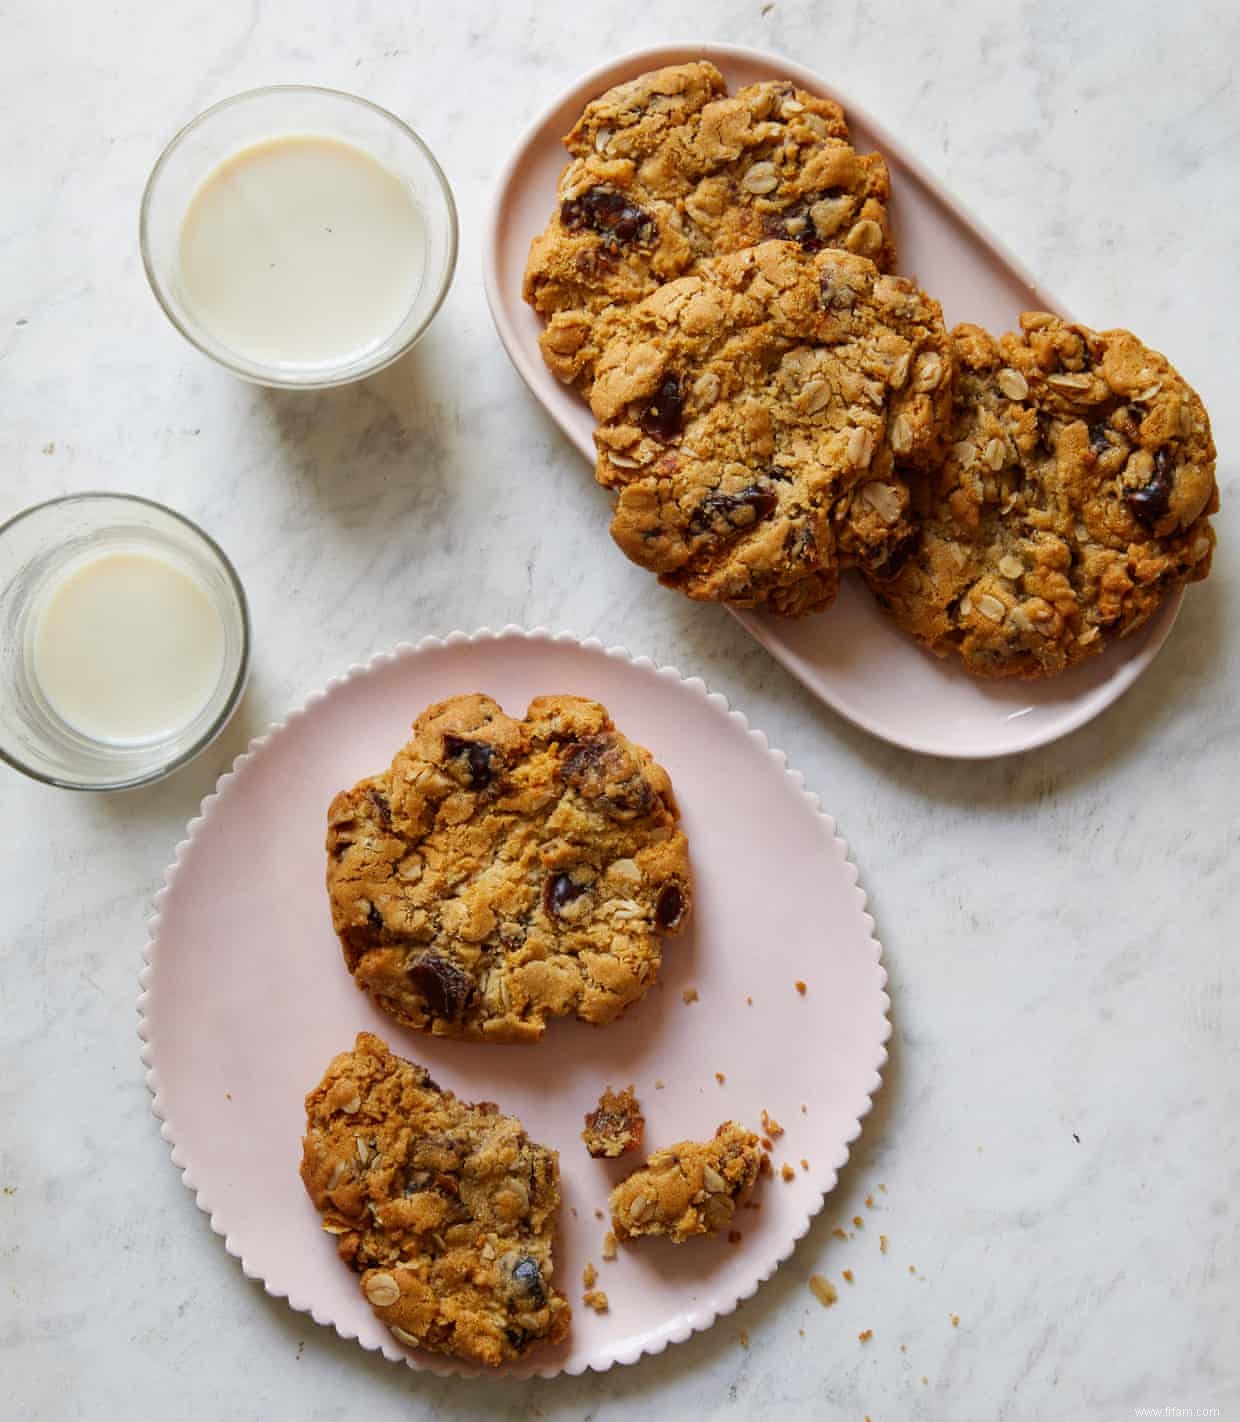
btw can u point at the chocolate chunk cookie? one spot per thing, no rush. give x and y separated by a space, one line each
446 1210
690 1188
1076 496
750 416
501 872
667 170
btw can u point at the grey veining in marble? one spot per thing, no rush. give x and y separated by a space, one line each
1059 1132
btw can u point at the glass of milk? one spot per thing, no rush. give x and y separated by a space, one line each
124 641
300 236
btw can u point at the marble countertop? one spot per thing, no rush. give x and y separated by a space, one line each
1059 1130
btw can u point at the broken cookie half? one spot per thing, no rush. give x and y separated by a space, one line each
447 1210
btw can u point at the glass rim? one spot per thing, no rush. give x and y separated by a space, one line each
271 378
222 717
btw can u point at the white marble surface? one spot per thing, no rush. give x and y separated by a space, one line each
1059 1129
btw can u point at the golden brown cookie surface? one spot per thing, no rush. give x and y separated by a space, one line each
749 419
1074 498
502 872
688 1189
669 169
446 1210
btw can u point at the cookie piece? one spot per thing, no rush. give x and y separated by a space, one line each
1076 497
502 872
690 1188
446 1210
615 1126
667 170
749 418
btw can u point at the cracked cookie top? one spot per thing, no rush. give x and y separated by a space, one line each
750 417
502 872
669 169
1075 497
446 1210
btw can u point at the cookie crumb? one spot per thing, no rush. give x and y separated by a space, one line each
955 1320
804 1163
786 1172
801 1331
743 1338
735 1236
804 1109
767 1143
882 1187
589 1275
770 1125
848 1276
882 1244
597 1300
865 1335
609 1246
858 1222
228 1096
598 1214
689 995
823 1290
840 1233
869 1202
749 1002
912 1268
800 987
903 1347
573 1211
764 1165
615 1126
925 1382
658 1086
720 1078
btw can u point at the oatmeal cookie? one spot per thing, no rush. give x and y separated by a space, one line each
749 419
616 1124
668 169
501 872
446 1210
1076 496
690 1188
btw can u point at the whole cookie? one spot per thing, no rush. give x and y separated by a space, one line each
446 1210
1075 498
667 170
502 872
749 419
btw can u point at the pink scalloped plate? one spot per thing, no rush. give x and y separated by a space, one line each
246 998
851 657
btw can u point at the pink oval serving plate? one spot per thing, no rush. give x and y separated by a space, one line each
245 997
852 657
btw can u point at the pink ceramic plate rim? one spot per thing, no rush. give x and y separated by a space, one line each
562 404
822 1180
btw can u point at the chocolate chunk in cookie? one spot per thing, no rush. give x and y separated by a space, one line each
667 170
446 1210
502 872
1075 497
688 1189
801 379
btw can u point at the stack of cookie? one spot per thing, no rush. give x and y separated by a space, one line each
773 406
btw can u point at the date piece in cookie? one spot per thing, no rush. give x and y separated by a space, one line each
446 1210
502 872
669 169
688 1189
1075 497
615 1126
750 416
